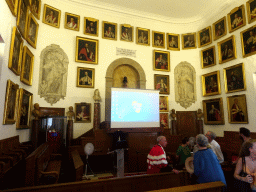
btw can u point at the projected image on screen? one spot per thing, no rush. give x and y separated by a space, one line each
134 108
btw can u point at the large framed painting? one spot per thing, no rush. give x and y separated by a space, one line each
163 104
85 77
248 40
16 48
32 31
86 50
213 112
51 16
143 36
83 112
72 21
91 26
173 41
237 109
24 109
211 83
208 58
22 18
236 18
219 28
126 33
164 120
161 60
161 83
109 30
27 66
11 100
13 5
188 41
227 49
158 39
204 37
234 78
35 8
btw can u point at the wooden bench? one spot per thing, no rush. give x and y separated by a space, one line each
78 165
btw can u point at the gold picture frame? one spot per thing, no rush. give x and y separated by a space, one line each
211 83
237 109
11 101
126 32
161 83
85 77
143 36
219 28
109 30
251 10
236 18
158 39
213 112
173 41
91 26
188 41
248 41
227 49
22 18
27 66
83 112
163 104
164 120
161 60
72 21
208 57
51 16
24 109
35 8
32 31
15 56
86 50
204 37
234 77
13 6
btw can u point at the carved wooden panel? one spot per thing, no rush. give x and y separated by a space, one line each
187 123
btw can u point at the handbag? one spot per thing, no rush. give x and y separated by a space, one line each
243 172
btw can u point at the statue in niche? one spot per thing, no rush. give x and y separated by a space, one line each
96 96
36 112
53 74
70 113
185 84
125 82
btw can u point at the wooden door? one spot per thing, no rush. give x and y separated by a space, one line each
187 123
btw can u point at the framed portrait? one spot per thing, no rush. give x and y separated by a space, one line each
234 78
211 83
161 60
204 37
158 39
72 21
13 5
109 30
27 66
91 26
83 112
32 31
163 104
208 58
236 18
126 33
237 109
161 83
251 10
188 41
143 36
86 50
213 112
16 48
24 109
11 101
51 16
164 120
85 77
22 18
35 8
219 28
227 49
173 41
248 38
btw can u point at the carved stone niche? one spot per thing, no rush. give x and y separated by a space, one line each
185 84
117 70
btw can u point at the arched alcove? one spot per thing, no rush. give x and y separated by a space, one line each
125 62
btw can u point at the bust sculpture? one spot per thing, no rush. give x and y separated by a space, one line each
36 112
199 114
96 96
173 114
70 113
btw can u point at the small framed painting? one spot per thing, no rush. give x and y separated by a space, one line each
126 33
27 66
143 36
161 60
164 120
251 10
248 38
22 18
213 112
109 30
91 26
173 41
85 77
211 83
13 5
161 82
35 8
163 104
208 58
227 49
188 41
204 37
83 112
219 28
158 39
72 21
32 31
236 18
51 16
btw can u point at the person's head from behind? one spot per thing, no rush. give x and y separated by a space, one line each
244 132
185 140
161 140
210 135
201 140
249 148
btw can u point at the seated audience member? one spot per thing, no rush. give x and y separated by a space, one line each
183 152
246 166
215 146
206 165
157 160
